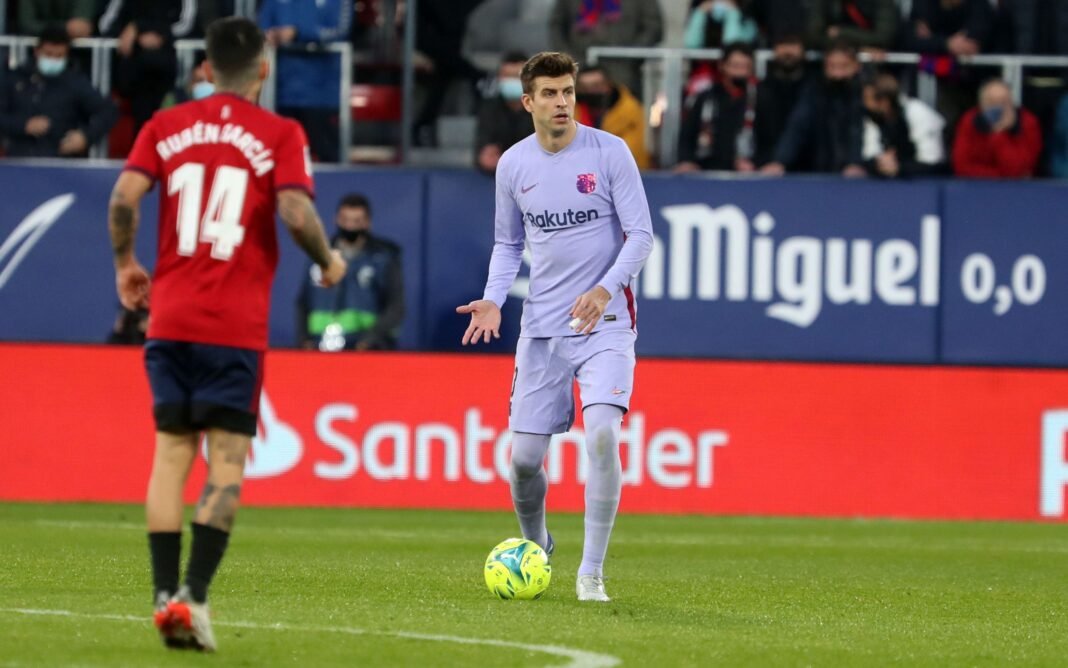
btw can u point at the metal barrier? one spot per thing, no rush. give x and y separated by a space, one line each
20 47
671 73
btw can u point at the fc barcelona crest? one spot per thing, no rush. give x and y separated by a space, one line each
587 183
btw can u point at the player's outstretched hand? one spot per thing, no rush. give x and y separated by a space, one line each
589 308
335 271
133 285
485 321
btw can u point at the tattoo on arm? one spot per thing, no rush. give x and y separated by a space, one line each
122 223
305 227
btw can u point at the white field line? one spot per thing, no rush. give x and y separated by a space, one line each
578 658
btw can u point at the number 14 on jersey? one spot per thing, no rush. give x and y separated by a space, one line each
221 223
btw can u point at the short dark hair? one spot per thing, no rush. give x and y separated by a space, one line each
736 47
235 47
788 38
355 201
547 64
596 69
54 34
514 57
841 46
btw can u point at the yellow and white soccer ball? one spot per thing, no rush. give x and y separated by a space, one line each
518 569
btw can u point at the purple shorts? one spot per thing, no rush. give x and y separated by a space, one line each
543 396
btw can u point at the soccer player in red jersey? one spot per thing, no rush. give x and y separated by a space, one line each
225 166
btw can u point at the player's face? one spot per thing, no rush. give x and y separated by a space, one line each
353 218
552 103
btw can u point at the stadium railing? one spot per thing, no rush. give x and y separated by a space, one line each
664 78
19 48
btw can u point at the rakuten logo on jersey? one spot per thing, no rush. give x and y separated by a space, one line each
472 450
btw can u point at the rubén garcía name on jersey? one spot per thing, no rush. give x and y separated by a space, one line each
584 215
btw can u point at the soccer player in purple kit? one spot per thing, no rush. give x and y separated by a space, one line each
574 195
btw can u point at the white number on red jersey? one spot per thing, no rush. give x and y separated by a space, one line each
221 223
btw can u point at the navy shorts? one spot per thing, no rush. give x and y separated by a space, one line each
196 386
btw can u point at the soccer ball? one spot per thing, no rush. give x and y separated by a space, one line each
518 569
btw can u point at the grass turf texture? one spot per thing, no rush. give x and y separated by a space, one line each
687 590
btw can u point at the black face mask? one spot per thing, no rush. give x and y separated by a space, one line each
786 69
740 82
592 100
352 236
838 86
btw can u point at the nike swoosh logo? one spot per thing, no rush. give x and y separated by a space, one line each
528 189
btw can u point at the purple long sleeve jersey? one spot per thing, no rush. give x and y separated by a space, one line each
584 214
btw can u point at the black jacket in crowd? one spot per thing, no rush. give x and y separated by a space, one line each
499 124
68 100
825 130
974 17
718 116
776 98
872 23
1039 26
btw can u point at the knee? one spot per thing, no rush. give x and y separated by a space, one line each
602 445
525 467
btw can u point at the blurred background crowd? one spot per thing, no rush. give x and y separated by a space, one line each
876 88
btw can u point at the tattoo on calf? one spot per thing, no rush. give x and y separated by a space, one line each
221 505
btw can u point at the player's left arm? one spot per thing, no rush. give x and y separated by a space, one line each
632 209
131 279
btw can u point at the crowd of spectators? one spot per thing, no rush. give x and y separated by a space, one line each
857 119
851 113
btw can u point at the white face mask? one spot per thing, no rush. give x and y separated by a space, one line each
511 88
51 67
202 89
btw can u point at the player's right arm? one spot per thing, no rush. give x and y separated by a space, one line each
298 213
131 279
509 237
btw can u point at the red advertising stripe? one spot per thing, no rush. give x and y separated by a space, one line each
420 430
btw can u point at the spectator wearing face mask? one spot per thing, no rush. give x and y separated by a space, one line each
889 151
713 24
890 114
778 93
606 105
365 310
48 109
824 132
502 120
717 132
997 139
197 87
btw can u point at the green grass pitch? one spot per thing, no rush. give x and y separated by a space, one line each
311 587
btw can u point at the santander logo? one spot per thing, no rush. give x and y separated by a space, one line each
342 446
276 448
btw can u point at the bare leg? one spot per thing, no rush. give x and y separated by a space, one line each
163 509
170 468
226 471
216 509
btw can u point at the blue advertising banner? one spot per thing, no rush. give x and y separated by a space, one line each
56 277
802 269
767 269
57 281
1006 267
795 269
